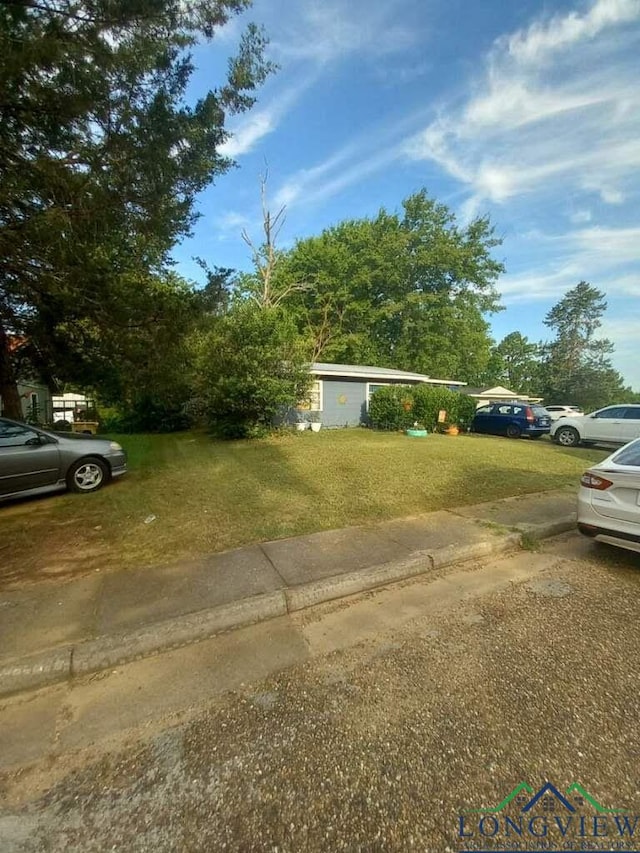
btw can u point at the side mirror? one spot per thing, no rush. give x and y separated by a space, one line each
34 442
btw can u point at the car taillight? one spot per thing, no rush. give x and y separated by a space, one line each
592 481
529 415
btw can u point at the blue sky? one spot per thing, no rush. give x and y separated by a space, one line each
527 110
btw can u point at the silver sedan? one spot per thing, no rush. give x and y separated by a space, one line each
34 461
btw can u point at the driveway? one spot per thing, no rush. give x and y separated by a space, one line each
382 722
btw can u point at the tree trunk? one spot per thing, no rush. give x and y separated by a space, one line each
11 404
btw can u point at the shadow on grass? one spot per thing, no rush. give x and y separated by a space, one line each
187 495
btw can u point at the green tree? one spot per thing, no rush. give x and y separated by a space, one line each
407 291
252 367
576 367
102 159
515 363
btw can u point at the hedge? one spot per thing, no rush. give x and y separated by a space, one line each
398 407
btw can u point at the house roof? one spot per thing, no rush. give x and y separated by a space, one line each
366 372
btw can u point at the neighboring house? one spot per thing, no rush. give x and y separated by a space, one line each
498 395
341 392
36 402
34 396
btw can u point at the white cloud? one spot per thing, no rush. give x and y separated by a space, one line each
325 31
603 256
311 36
578 217
367 153
541 39
611 196
260 122
556 105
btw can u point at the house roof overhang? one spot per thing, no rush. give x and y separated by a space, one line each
375 374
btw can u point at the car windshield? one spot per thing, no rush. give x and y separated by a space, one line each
629 455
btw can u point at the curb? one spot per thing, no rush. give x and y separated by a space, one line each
551 528
63 664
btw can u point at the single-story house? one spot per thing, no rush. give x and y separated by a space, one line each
35 397
341 392
36 402
498 395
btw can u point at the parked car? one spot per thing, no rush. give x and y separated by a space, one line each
609 499
512 419
35 461
613 425
557 412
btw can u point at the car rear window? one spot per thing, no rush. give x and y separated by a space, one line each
629 455
539 412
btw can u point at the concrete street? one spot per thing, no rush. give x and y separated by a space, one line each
368 723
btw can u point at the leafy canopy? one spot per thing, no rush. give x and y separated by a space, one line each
102 158
403 290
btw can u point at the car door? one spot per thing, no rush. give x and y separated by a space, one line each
631 424
482 419
28 459
605 425
503 414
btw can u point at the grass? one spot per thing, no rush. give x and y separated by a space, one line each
210 496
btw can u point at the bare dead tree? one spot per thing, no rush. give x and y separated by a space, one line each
265 257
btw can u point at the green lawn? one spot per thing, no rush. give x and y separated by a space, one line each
210 496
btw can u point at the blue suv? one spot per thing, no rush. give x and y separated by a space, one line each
513 420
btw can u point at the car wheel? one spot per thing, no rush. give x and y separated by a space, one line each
568 437
513 431
87 475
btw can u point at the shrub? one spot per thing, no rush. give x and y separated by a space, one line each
146 414
430 400
466 410
253 366
398 407
392 407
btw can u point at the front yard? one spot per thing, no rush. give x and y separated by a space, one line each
211 496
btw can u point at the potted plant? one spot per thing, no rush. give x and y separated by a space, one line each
315 421
418 430
300 420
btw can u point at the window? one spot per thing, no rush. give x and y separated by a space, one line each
484 410
372 387
613 413
629 456
15 435
502 410
632 414
313 402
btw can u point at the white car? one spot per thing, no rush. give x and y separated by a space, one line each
556 412
613 425
609 499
